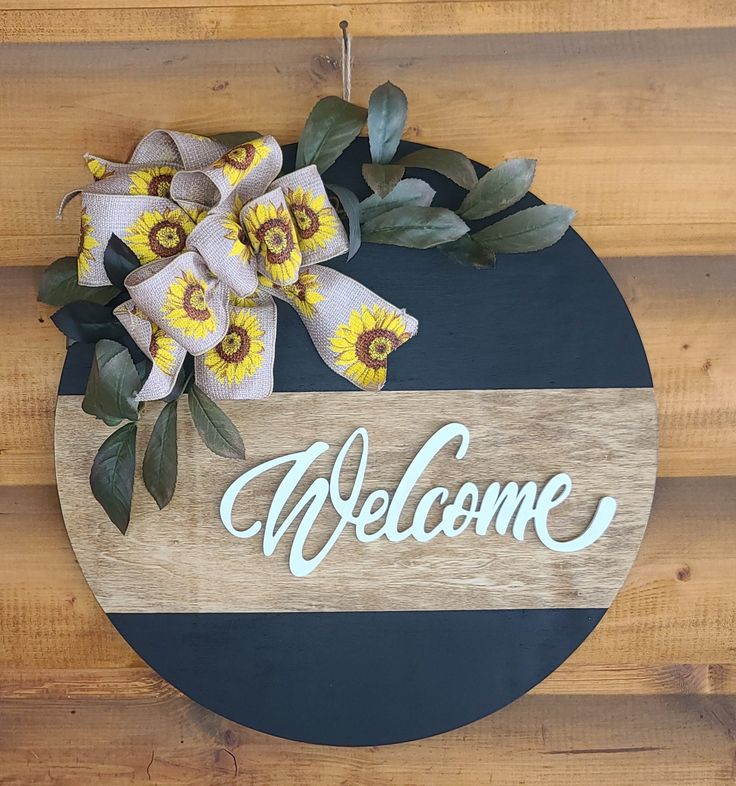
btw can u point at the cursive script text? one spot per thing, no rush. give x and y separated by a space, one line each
508 507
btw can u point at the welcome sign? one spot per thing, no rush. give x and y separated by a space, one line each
383 567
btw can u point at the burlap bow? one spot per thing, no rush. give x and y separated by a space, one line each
218 238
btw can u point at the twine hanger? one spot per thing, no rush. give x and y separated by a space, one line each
347 61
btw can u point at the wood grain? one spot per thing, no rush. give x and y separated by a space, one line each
618 131
112 20
537 740
162 566
633 127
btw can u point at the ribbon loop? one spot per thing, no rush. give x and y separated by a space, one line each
241 365
190 151
184 298
223 242
321 233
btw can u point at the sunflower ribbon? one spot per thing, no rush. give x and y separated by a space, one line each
218 239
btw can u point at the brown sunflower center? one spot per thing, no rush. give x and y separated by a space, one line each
306 219
235 346
194 303
153 345
160 185
243 235
240 157
167 238
275 235
374 346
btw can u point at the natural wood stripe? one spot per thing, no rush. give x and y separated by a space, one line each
675 608
221 21
595 138
605 440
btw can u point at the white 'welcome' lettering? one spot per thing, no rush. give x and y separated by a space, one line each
504 507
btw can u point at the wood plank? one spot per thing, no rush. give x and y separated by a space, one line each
686 313
30 364
538 740
674 618
650 169
113 20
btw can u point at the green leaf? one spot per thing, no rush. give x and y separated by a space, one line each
232 139
382 178
498 189
331 126
218 432
415 227
387 110
160 460
468 251
87 322
528 230
143 367
350 205
453 165
113 471
60 286
112 384
411 191
119 260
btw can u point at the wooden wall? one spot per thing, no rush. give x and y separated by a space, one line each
631 110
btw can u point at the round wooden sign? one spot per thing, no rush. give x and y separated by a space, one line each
508 468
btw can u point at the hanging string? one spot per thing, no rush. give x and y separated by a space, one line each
347 61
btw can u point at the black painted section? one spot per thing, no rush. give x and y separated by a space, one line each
553 319
366 678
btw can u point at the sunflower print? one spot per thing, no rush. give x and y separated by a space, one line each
185 306
240 353
196 213
272 232
162 350
362 346
155 181
236 163
86 243
159 234
99 170
236 233
241 302
303 294
316 222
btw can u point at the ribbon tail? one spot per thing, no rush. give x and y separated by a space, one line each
167 357
241 365
65 200
353 329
